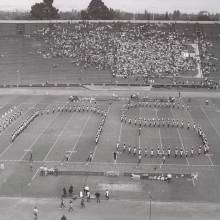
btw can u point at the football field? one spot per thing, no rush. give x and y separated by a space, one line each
51 135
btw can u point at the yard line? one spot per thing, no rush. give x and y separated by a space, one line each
139 136
35 141
58 137
33 177
161 143
9 146
210 121
210 159
109 163
120 131
94 152
84 127
193 182
181 139
6 149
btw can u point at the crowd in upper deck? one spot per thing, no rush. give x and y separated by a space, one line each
125 49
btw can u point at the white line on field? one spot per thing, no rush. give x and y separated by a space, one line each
161 143
106 163
210 121
35 141
33 177
181 140
139 135
193 182
58 137
120 131
210 159
7 148
94 152
84 127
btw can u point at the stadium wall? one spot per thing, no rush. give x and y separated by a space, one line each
27 27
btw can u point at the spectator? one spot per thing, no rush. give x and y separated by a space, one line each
127 50
71 190
97 195
64 192
63 217
107 194
82 203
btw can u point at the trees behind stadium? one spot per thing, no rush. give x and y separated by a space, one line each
44 10
97 10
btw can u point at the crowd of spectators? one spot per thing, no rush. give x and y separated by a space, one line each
125 49
207 58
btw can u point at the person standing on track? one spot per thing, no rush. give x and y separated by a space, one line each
168 152
152 152
199 150
181 153
145 152
124 148
139 131
115 157
70 206
186 152
176 152
188 125
192 152
139 159
117 147
63 217
129 149
134 151
107 194
35 213
182 124
158 152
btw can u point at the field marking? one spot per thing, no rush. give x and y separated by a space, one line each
94 152
190 116
14 122
193 182
58 136
161 143
107 163
35 141
210 121
139 136
204 112
209 157
82 131
33 177
19 119
180 138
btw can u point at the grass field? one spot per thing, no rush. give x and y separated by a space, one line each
51 135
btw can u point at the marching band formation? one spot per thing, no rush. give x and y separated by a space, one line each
8 117
140 151
24 125
162 151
